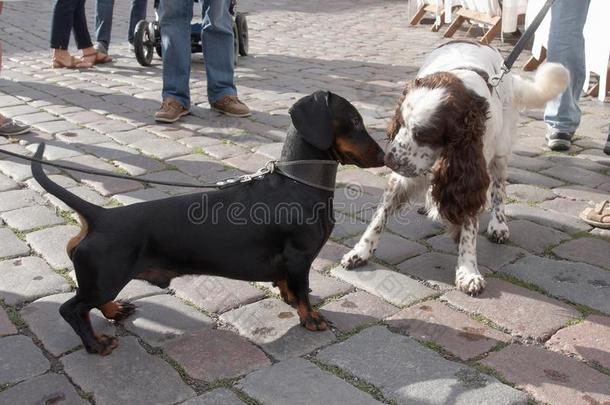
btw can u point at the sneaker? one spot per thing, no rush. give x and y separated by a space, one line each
231 106
559 141
171 111
11 127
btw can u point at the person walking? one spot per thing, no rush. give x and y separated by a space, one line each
70 15
217 36
566 46
103 22
9 127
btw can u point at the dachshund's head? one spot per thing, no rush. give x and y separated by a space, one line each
438 128
332 124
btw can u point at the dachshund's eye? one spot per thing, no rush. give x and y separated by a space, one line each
357 121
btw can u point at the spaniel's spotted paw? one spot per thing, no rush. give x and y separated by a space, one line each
469 281
358 256
498 231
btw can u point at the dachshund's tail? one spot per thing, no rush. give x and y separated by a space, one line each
86 209
550 81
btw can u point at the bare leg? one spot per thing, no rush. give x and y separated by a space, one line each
497 230
467 276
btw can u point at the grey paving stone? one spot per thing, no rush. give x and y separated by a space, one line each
56 150
197 165
54 127
362 180
15 199
566 207
565 223
576 161
433 321
11 245
601 233
510 307
533 237
528 193
581 193
550 377
109 150
215 397
215 294
51 244
136 289
151 380
6 326
137 165
392 286
161 148
28 218
55 334
6 183
21 359
147 194
213 354
224 150
437 269
330 255
352 201
173 176
356 309
393 249
27 278
576 175
529 163
81 136
44 389
412 225
275 327
588 250
489 254
299 382
519 176
409 373
160 318
577 282
63 181
346 226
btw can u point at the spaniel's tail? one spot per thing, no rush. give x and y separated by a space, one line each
550 81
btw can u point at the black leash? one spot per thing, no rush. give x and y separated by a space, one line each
325 177
509 61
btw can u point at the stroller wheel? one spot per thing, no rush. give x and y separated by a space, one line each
242 33
143 43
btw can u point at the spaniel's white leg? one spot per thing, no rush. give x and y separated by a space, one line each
467 276
394 196
497 230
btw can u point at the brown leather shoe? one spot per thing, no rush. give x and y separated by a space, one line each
171 111
231 106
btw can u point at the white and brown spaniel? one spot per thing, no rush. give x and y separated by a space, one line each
451 136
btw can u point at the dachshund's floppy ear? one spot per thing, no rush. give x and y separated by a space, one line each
460 178
311 116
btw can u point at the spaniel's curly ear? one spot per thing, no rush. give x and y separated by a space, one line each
460 178
396 122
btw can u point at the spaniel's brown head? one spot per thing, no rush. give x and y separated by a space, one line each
438 127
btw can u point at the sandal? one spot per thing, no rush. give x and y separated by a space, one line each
75 63
598 216
98 58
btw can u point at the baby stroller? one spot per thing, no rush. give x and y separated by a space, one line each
147 37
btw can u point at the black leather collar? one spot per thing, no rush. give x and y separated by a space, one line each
320 174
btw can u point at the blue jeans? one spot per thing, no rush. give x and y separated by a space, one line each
103 19
567 46
69 15
217 35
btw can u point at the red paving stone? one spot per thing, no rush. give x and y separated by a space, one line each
589 340
453 330
551 377
523 312
214 354
356 309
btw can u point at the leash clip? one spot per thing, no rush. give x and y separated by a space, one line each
495 80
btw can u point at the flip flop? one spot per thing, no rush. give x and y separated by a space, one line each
100 58
75 63
598 216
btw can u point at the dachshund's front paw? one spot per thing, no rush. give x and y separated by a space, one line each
125 310
314 322
469 281
357 257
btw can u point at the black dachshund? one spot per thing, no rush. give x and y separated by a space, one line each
281 222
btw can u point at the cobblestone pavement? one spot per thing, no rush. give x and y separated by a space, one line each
401 334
